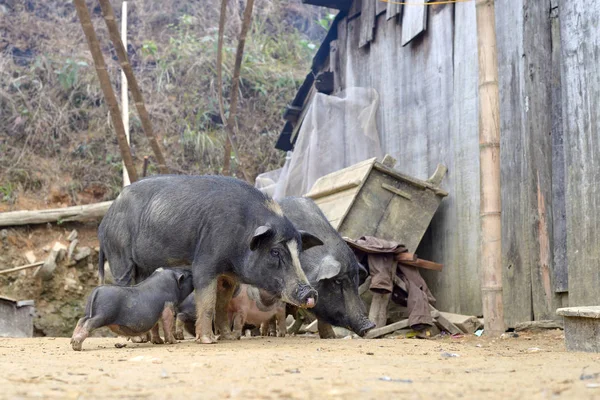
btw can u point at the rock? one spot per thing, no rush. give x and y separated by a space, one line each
82 253
70 284
73 235
47 270
72 248
30 257
46 248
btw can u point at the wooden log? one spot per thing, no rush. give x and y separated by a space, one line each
377 332
113 30
365 286
105 85
489 157
420 263
378 310
466 323
406 256
67 214
539 325
22 267
443 322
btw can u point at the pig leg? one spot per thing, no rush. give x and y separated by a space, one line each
239 319
155 335
264 328
206 297
225 290
280 319
179 325
325 330
83 329
168 319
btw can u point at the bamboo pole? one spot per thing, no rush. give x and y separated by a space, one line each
109 95
489 156
35 264
230 123
227 150
124 97
111 25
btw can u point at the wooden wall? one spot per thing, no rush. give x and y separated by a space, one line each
580 42
428 115
549 76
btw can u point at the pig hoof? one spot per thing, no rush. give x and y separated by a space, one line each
76 345
139 339
158 341
178 336
280 334
205 339
230 336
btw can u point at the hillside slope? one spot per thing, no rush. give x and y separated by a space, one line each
57 146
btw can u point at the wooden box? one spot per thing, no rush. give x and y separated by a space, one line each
582 328
372 199
16 317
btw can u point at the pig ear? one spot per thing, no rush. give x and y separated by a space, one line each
180 280
261 233
329 268
309 240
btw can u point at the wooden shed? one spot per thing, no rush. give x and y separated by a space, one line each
422 60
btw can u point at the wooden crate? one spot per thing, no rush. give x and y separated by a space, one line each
372 199
16 317
582 328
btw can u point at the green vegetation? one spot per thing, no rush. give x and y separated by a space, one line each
55 128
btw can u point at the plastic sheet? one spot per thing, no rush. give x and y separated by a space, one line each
338 131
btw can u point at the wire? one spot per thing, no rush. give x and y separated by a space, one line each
429 3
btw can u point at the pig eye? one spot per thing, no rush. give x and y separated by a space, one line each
274 252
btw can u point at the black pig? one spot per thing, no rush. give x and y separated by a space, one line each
332 269
219 226
135 310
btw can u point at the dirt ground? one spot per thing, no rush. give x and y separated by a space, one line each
531 366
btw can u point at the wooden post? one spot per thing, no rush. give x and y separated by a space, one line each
124 97
111 25
232 143
489 156
107 90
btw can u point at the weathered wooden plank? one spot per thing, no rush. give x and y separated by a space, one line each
377 332
342 50
378 309
416 104
393 10
517 274
367 22
380 7
524 62
355 9
580 46
559 217
414 21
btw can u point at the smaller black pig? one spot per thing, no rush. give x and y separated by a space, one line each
135 310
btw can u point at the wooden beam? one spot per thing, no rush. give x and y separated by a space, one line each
113 30
67 214
105 85
377 332
378 310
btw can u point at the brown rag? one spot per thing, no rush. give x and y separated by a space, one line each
382 265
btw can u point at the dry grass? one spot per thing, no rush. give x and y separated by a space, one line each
55 129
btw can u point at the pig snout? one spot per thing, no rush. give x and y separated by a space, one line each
306 295
363 326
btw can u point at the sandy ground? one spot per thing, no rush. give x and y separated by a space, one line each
528 367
